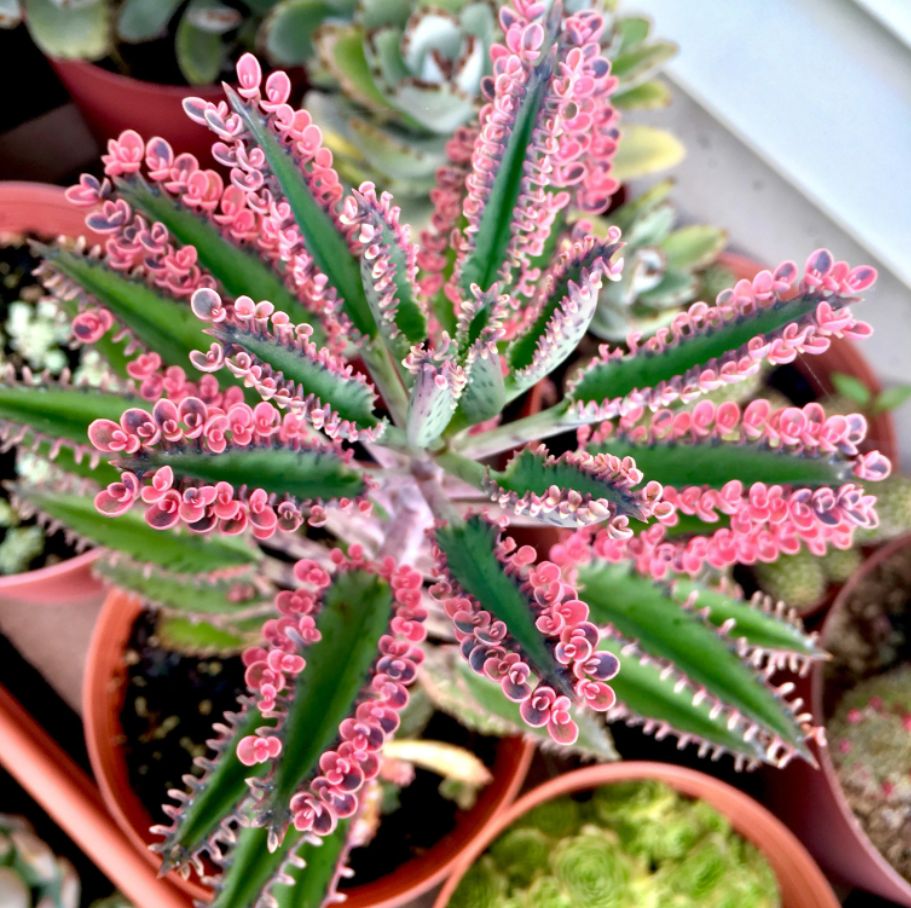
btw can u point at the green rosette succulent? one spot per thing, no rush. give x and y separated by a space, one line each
30 873
399 80
663 265
593 870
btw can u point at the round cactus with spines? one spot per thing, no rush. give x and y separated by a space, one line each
799 579
870 740
298 370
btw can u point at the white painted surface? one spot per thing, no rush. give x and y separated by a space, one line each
818 89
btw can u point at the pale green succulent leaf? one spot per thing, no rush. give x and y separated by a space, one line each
651 95
200 638
143 20
644 150
287 32
851 387
637 64
201 53
672 289
485 394
71 32
694 246
891 399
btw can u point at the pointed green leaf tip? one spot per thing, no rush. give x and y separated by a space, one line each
471 561
702 658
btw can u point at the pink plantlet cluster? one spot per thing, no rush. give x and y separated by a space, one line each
271 671
562 620
193 426
827 286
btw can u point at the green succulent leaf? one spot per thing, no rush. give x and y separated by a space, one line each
287 32
533 471
72 31
663 629
695 246
60 412
199 638
432 404
469 548
130 534
201 52
646 96
218 795
632 66
562 320
851 387
254 869
322 237
479 704
716 463
646 690
356 613
485 394
304 474
195 596
891 399
142 20
160 322
238 270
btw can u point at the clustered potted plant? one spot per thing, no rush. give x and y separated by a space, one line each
324 427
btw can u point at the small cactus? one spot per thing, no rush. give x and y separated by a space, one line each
870 741
894 509
30 873
797 579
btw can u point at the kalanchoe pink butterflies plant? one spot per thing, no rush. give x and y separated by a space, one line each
387 373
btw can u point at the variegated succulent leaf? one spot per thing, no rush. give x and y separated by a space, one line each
437 385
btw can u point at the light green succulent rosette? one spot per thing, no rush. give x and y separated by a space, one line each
482 886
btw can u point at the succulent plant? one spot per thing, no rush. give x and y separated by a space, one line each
399 78
641 844
661 265
208 34
870 740
384 369
30 873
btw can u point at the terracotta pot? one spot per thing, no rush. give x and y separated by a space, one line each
111 103
801 883
844 357
102 698
36 208
811 801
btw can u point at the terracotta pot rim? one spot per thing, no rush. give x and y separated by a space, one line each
817 687
44 211
121 81
749 819
100 692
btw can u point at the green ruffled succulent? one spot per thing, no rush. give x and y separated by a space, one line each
30 873
663 265
634 843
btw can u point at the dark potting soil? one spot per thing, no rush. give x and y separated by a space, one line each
170 703
16 283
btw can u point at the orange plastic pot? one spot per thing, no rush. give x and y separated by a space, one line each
102 699
812 802
42 210
110 103
800 881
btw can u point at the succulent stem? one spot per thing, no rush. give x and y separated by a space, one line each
506 436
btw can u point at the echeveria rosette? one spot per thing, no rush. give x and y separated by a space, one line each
294 356
395 82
